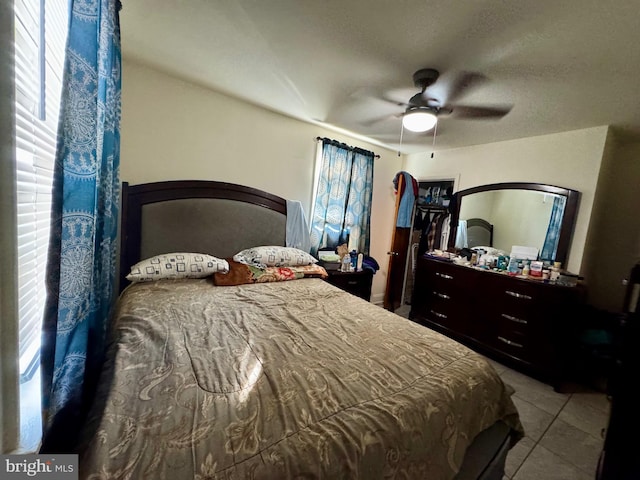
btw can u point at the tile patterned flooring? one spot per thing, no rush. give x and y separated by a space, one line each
564 432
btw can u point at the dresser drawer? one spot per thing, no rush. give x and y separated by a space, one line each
445 279
448 274
529 342
516 346
505 317
522 347
519 301
516 324
442 292
445 310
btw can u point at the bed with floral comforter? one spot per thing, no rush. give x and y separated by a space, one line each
284 380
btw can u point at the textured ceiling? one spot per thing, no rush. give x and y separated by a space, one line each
562 65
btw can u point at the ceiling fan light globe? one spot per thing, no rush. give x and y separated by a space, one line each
419 121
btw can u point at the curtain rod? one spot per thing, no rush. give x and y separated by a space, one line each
344 145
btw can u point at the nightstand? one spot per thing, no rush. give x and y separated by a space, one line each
356 283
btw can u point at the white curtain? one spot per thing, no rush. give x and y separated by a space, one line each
461 235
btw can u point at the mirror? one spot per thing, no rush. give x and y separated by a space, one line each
502 215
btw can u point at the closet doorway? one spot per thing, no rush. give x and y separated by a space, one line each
429 231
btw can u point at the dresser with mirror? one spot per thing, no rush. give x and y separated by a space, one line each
525 323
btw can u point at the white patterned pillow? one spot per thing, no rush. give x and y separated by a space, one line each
177 265
274 256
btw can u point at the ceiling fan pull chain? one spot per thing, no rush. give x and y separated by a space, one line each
435 129
401 133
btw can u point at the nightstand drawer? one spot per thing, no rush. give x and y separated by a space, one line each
356 283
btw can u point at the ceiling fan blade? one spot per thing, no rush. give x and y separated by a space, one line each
422 99
372 121
489 113
461 85
396 102
375 94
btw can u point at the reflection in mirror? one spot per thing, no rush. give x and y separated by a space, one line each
517 217
479 232
517 214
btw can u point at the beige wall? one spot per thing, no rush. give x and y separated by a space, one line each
613 244
569 159
172 129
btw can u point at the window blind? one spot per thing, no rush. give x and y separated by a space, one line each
39 44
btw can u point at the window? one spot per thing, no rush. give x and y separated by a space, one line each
342 198
39 45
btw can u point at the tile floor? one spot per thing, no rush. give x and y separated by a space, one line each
564 432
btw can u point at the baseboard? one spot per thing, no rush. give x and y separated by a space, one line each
377 299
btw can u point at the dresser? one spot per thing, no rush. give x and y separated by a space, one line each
526 324
356 283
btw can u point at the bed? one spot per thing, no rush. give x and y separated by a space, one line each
287 379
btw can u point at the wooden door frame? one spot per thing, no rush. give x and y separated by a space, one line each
388 299
392 266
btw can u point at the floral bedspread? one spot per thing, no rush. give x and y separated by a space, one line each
285 380
240 274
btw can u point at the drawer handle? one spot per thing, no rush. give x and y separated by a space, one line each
352 282
511 343
439 315
514 319
444 275
518 295
441 295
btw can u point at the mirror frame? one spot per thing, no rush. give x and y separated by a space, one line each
568 218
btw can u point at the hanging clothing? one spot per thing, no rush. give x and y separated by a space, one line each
408 193
434 233
446 231
434 236
418 219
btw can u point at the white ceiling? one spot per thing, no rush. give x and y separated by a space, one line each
562 64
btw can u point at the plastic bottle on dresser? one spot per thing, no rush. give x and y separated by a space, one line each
554 274
346 263
512 268
354 260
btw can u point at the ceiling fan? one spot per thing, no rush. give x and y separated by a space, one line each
423 109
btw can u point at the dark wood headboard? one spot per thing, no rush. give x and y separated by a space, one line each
480 230
200 216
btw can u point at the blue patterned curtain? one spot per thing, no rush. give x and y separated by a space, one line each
550 245
342 207
82 248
